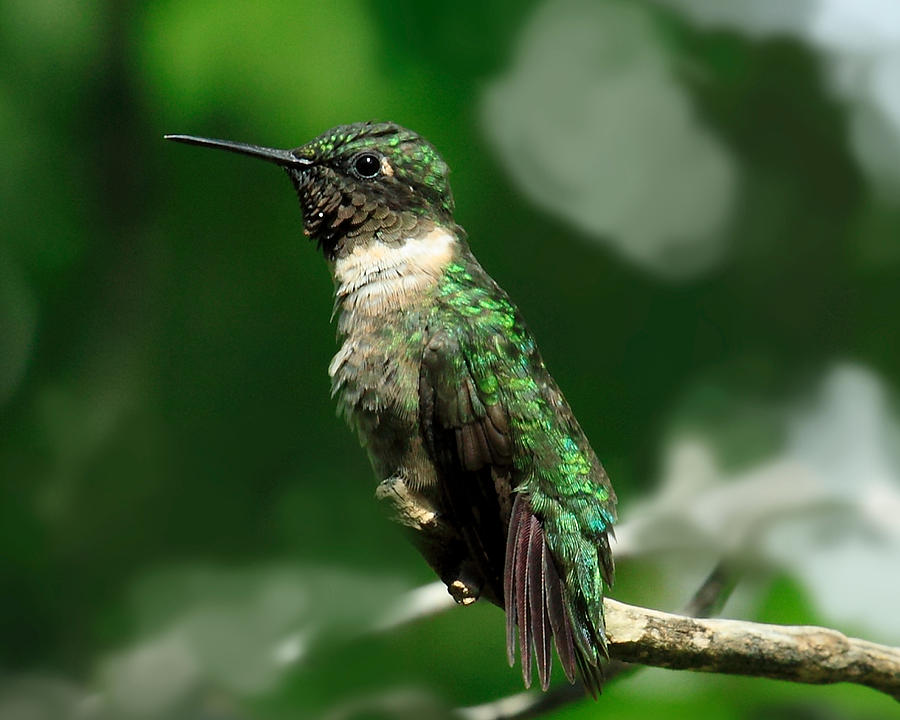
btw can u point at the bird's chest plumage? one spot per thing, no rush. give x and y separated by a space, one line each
384 296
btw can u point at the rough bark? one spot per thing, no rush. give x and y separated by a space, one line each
796 653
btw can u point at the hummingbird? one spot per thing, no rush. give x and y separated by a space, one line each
446 388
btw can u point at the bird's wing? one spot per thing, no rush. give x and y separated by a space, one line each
467 436
470 420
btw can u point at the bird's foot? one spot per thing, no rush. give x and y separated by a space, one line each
465 589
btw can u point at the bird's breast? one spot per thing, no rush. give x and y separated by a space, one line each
383 294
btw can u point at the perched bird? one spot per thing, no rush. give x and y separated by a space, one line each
446 387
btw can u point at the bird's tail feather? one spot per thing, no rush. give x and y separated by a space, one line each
537 604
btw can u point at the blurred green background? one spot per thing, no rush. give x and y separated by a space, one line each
695 204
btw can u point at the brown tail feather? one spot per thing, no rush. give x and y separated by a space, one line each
534 599
523 599
559 618
540 630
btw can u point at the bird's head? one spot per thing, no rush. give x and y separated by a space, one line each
361 181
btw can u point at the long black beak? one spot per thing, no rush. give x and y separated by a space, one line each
279 157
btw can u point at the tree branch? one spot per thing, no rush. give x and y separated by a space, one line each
650 637
797 653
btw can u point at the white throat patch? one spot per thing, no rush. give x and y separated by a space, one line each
376 277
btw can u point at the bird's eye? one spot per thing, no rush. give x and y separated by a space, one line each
367 165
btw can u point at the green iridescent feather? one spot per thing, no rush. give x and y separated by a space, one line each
553 464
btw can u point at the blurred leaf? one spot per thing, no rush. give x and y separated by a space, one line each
612 136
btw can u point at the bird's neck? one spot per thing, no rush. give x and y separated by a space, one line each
378 278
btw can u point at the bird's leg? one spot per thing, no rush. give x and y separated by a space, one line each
441 545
